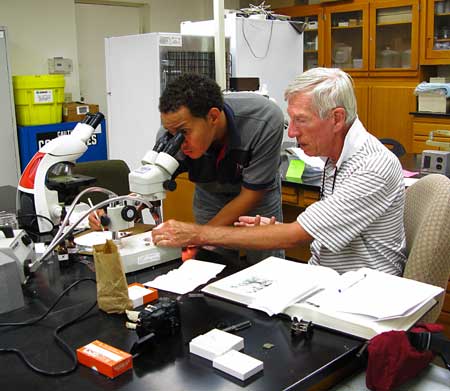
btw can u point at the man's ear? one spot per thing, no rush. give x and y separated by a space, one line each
339 116
213 115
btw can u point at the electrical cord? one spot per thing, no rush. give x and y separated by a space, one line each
62 344
248 43
36 217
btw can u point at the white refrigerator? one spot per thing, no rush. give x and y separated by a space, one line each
269 49
138 68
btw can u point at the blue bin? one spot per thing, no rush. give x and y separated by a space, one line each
32 138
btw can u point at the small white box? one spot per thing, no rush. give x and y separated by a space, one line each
140 294
238 364
433 103
215 343
440 79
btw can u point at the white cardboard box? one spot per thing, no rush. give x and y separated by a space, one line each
238 364
440 79
433 103
215 343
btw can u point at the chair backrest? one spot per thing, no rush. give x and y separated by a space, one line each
427 229
394 146
110 174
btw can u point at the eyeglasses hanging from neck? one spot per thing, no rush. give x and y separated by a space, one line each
322 189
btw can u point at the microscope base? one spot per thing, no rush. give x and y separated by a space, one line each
138 252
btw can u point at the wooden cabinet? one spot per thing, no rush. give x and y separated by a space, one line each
298 196
295 200
362 37
178 204
389 104
422 126
394 37
313 43
377 43
435 32
347 37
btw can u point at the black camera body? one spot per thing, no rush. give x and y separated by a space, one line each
159 319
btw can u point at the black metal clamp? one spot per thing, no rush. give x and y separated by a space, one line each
301 328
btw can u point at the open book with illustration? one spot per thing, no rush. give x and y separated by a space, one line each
363 303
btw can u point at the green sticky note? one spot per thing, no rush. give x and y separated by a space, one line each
295 171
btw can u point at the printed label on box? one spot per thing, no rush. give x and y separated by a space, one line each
43 96
44 138
81 110
170 40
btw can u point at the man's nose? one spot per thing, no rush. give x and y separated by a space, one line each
293 131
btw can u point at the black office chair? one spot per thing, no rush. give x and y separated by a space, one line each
110 174
394 146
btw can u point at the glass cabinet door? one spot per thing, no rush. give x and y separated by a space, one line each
438 29
312 40
394 36
347 46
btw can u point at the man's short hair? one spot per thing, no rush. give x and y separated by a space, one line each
329 88
196 92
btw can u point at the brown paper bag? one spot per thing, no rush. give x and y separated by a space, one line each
112 287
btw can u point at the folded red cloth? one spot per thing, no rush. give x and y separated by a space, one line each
393 360
428 327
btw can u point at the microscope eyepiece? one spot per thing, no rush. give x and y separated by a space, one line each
95 119
174 144
162 142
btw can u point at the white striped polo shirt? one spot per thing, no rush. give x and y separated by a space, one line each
359 223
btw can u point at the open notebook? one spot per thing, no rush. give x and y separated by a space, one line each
363 303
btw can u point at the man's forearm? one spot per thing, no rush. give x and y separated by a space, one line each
256 238
241 205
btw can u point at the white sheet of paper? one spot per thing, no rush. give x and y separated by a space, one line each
187 277
93 238
370 295
410 181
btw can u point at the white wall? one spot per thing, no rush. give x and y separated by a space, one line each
38 30
42 29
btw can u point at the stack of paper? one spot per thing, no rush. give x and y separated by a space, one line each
238 364
187 277
215 343
222 349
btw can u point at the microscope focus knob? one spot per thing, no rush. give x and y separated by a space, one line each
26 240
170 185
105 221
129 213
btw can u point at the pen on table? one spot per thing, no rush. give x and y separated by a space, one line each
352 284
95 213
238 326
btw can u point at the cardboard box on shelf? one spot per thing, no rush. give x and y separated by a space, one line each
75 111
433 103
440 79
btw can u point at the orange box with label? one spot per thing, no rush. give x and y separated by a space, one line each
105 359
140 294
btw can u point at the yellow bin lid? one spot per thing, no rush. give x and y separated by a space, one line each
38 81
